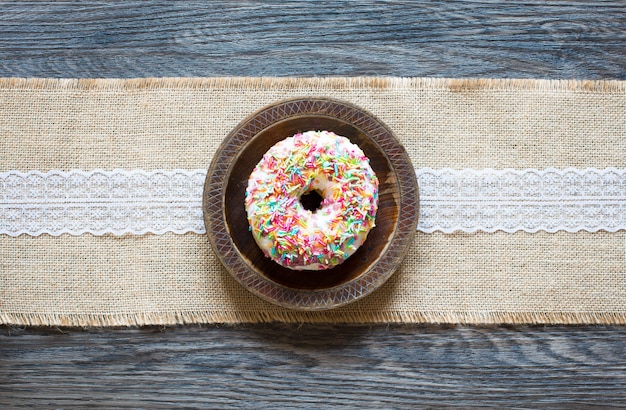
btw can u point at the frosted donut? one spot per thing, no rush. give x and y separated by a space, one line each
290 234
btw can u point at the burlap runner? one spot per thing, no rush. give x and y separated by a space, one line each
178 123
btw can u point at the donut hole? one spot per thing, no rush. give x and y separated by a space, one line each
311 200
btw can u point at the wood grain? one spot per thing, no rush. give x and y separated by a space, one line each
574 39
314 366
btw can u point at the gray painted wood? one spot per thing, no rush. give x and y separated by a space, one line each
314 365
580 39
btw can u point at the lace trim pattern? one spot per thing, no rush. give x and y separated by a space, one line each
137 202
529 200
100 202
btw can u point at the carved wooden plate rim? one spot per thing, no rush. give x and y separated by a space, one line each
242 269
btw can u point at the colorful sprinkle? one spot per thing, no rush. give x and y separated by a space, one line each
312 161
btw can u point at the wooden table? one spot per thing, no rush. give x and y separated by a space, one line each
314 365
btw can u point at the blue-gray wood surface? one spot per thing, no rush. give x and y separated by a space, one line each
314 365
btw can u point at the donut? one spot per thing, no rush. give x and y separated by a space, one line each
328 165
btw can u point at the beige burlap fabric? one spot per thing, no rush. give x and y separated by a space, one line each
178 123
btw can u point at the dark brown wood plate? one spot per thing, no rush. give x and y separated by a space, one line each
227 224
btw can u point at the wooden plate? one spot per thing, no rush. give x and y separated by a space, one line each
227 224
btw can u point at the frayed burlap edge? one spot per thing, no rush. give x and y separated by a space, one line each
326 83
183 318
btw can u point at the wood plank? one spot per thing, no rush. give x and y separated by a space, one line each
314 366
574 39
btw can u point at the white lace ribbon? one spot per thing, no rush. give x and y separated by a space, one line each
138 202
526 200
